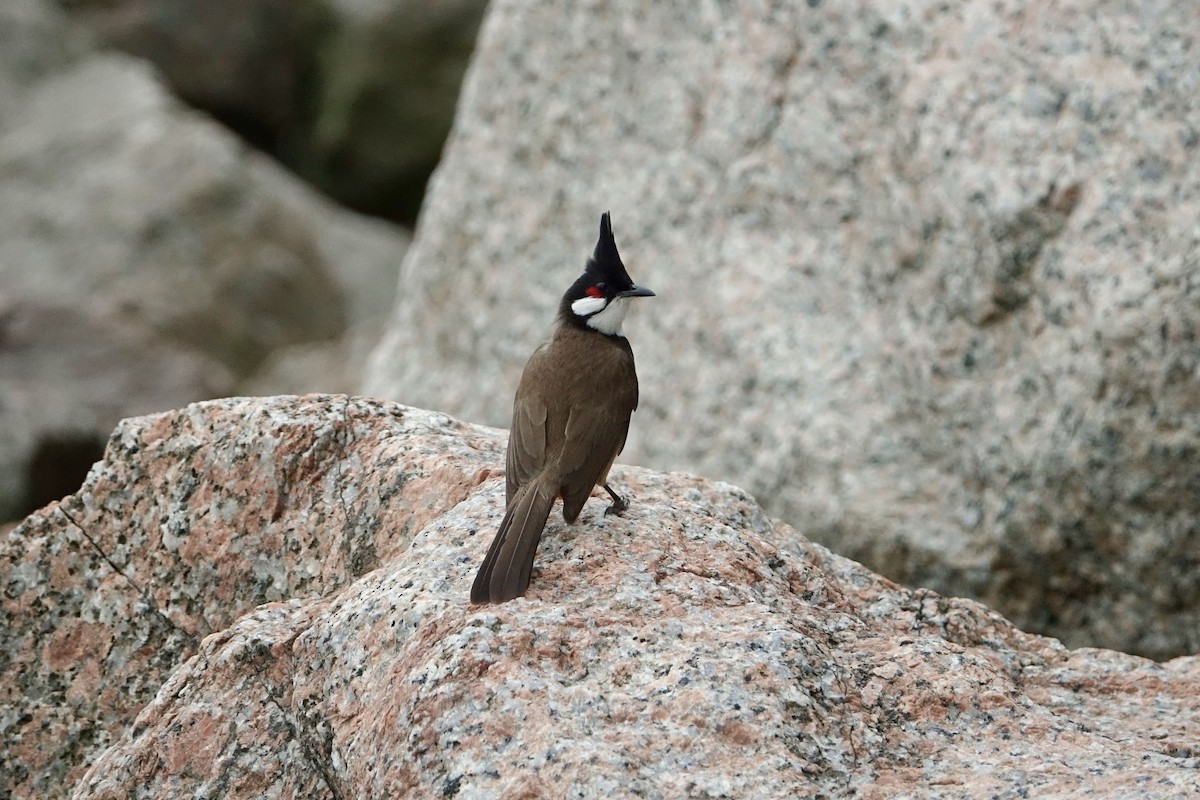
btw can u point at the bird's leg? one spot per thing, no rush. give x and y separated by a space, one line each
619 503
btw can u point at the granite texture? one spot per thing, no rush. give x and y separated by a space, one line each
268 598
193 519
926 275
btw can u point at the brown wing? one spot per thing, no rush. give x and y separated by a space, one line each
596 432
527 436
603 436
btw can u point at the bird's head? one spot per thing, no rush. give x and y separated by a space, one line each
600 296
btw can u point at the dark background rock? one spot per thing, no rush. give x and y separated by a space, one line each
356 96
384 100
926 275
249 63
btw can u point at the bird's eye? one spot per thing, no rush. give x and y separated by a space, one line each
601 285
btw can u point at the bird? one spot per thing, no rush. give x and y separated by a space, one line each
569 421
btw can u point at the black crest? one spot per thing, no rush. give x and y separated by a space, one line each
603 276
606 261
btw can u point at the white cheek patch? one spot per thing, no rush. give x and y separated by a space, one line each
609 320
588 305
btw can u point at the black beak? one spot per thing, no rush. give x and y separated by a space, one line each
636 291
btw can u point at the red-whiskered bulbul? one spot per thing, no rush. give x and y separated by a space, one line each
570 418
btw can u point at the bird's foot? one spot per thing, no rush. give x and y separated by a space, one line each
619 504
617 508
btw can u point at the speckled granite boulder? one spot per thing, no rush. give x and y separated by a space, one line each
926 275
268 598
193 519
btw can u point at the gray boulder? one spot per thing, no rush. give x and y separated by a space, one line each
114 193
152 259
35 40
927 277
388 80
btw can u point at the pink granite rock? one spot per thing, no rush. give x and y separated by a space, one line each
193 519
268 598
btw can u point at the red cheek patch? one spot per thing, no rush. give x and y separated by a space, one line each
594 292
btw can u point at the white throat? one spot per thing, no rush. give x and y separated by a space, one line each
609 320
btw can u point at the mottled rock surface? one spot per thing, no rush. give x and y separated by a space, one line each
927 275
148 259
193 519
267 598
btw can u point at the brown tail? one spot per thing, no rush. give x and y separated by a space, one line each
504 573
